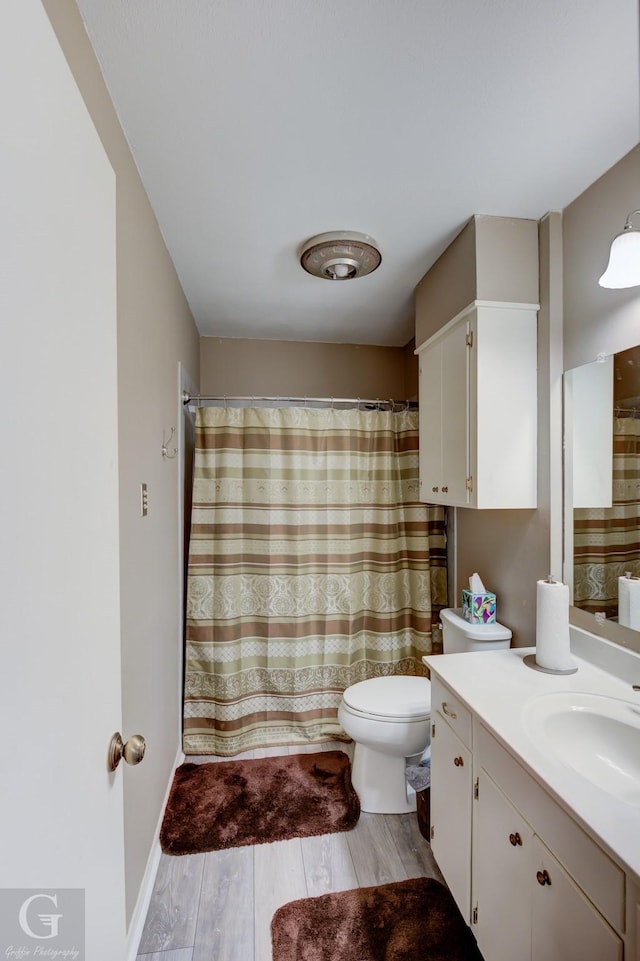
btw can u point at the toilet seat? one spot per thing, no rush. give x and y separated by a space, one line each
399 698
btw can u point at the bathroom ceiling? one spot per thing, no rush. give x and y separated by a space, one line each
258 123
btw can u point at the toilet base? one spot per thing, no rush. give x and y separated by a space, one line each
380 783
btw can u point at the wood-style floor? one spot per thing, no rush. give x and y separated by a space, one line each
218 906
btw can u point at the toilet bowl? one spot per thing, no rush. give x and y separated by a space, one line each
389 718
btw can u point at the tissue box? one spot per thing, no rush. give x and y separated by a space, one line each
479 608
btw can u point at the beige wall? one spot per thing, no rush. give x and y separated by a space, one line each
511 550
492 258
597 320
448 286
297 369
155 331
496 259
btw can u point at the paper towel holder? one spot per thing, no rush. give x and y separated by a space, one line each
530 661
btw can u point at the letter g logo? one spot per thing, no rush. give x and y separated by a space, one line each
47 920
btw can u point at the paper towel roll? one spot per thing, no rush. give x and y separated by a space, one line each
629 602
552 627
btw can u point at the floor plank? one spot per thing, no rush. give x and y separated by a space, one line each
414 850
375 856
225 914
279 878
172 915
328 865
182 954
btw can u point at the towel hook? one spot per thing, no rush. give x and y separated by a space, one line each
166 453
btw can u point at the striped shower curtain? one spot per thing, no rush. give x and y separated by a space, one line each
606 542
312 565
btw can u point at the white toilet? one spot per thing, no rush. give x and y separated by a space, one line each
388 718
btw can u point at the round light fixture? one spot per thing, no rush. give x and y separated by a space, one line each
340 255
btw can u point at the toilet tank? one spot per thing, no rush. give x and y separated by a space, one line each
459 635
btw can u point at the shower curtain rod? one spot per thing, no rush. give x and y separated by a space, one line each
354 401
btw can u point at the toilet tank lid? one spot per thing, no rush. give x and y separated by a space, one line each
395 695
478 632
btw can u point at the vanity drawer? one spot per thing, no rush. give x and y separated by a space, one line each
445 702
601 879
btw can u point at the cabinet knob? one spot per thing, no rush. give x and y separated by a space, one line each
542 877
515 839
434 490
458 761
445 490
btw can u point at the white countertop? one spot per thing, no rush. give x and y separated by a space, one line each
495 686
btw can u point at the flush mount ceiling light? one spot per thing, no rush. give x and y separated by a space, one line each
623 269
340 255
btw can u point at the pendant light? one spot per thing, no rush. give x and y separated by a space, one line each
340 255
623 269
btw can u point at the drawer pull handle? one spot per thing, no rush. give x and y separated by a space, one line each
458 761
515 839
543 878
449 713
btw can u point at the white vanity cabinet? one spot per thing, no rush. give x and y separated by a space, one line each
478 408
451 794
532 884
549 918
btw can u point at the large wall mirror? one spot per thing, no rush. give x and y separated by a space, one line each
602 491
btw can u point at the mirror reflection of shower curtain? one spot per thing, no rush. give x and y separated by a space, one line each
606 540
312 565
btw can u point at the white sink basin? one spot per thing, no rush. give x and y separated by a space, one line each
597 736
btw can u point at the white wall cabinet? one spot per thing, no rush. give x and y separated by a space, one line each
527 878
478 409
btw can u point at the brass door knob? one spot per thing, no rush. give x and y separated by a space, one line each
131 750
458 761
515 839
542 877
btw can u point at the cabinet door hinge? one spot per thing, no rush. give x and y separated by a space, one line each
470 484
475 915
432 832
476 788
469 340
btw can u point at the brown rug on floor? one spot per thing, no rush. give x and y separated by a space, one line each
413 920
226 804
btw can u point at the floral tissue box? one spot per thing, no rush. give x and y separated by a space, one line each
479 608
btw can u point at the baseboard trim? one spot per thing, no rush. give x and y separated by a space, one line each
134 934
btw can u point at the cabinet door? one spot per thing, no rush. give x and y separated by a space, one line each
565 924
451 788
430 397
502 870
455 415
